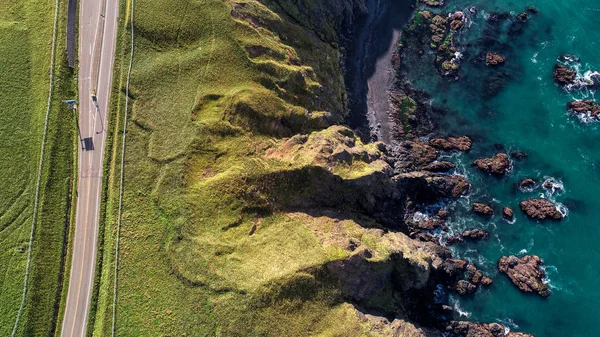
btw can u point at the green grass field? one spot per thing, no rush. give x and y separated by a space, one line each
210 93
26 29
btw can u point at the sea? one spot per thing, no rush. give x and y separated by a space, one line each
518 107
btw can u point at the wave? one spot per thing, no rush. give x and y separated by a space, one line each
508 324
456 305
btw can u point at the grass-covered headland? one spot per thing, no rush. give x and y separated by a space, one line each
26 38
247 210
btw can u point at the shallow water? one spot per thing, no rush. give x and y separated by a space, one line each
527 114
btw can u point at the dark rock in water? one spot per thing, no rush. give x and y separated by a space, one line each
584 107
497 165
443 214
475 234
499 146
532 10
564 75
486 281
469 329
507 213
540 209
523 17
440 166
518 155
527 183
432 3
482 209
423 237
552 185
464 287
495 83
476 276
413 155
454 239
492 59
462 143
526 273
452 268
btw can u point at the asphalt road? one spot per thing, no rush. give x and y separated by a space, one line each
97 35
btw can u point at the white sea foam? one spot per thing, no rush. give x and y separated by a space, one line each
418 216
508 324
523 252
534 58
456 305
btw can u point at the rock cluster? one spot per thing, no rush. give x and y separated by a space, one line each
526 273
540 209
469 329
462 143
475 234
497 165
527 183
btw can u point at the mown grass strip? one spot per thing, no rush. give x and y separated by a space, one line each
39 172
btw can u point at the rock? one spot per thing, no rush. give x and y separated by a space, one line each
440 166
413 155
507 213
451 186
462 143
523 17
426 15
564 75
454 239
464 287
429 224
432 3
540 209
443 214
498 165
469 329
475 234
552 185
527 183
532 10
492 59
482 209
456 24
518 155
452 268
584 107
486 281
526 273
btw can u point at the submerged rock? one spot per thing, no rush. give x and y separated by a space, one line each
564 75
518 155
482 209
492 59
462 143
526 273
523 17
584 107
540 209
497 165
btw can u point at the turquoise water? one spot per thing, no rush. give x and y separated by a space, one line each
528 114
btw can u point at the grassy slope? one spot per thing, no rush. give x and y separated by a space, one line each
205 109
25 48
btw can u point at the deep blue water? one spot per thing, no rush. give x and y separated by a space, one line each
527 113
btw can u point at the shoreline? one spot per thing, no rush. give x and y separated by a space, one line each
369 69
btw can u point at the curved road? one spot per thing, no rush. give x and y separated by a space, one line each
97 35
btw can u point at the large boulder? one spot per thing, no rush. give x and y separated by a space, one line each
564 75
584 107
526 273
527 183
464 287
462 143
507 213
540 209
492 59
497 165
